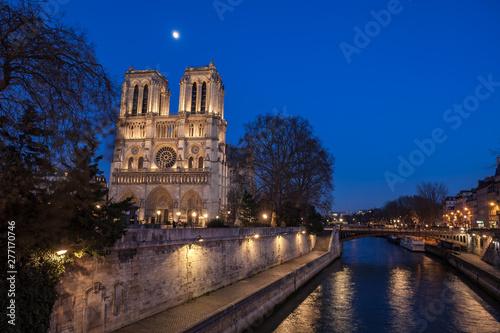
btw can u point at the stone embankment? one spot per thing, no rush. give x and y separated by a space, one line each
152 270
470 265
243 305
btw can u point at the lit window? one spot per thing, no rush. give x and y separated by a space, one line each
131 163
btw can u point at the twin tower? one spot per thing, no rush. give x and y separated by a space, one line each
173 166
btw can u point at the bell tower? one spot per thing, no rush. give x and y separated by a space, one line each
174 166
143 92
202 91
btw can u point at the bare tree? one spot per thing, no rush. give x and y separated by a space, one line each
52 69
400 209
292 168
54 98
428 204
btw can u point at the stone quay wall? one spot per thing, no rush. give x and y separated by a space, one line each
485 280
151 270
240 315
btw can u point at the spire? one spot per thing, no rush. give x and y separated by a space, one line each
211 63
131 67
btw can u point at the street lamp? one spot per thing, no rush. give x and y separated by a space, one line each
194 216
158 212
178 216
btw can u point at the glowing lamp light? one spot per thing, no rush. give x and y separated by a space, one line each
61 252
194 214
205 215
256 236
158 212
178 213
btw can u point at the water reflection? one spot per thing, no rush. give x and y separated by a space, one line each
341 307
379 287
400 297
335 298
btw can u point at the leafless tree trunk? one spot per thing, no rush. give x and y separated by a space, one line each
292 168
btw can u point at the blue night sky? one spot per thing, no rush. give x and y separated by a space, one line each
397 87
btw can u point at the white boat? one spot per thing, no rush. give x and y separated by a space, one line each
412 243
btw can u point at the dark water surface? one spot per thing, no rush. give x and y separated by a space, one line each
377 286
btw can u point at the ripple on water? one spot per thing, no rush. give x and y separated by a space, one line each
380 287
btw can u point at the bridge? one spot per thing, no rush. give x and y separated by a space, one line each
458 237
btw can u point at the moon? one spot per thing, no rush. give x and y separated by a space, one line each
175 34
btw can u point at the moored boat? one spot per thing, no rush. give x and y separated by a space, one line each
412 243
393 239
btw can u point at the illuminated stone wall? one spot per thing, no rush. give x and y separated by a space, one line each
151 270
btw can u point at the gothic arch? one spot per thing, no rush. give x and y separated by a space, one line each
194 91
127 194
145 97
159 200
135 100
191 203
203 96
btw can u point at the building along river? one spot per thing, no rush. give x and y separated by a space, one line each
377 286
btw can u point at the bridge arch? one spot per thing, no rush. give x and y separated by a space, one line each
456 237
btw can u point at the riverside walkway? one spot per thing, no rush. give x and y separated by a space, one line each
474 259
184 317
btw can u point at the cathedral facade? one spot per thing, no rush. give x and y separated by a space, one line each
173 166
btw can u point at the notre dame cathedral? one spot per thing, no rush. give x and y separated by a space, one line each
173 166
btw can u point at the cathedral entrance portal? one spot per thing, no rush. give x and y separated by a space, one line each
159 206
191 204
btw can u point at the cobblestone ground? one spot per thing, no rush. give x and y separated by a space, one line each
181 317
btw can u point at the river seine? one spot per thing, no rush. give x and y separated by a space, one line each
377 286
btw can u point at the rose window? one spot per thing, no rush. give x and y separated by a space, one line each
165 158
